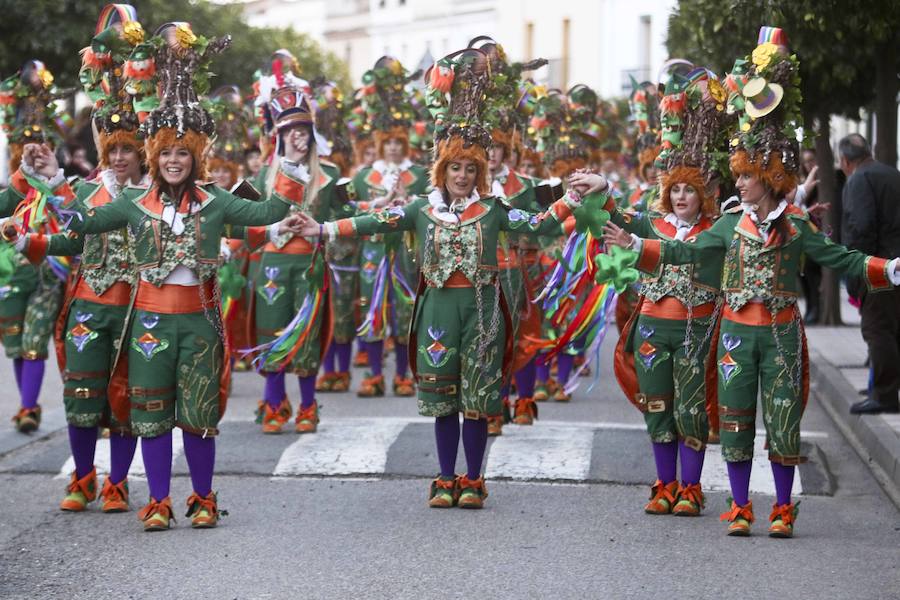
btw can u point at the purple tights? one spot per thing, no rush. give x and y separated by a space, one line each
376 356
307 391
32 377
83 442
564 364
665 454
739 478
691 464
525 380
121 453
784 482
343 352
402 358
474 437
275 392
328 361
542 369
157 453
200 453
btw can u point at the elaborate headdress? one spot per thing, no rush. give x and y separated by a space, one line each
506 108
332 115
559 134
290 107
764 91
387 102
456 89
233 121
104 76
181 59
696 150
27 109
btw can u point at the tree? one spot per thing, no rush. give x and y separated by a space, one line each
55 30
840 47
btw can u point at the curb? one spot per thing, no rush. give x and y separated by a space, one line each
873 440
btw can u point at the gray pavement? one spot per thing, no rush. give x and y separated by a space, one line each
353 523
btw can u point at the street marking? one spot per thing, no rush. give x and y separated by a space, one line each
542 452
101 459
715 471
341 447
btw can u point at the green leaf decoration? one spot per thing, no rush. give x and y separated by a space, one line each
617 268
591 216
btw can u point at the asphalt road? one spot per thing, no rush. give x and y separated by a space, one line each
342 514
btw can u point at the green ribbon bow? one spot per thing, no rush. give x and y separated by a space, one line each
617 268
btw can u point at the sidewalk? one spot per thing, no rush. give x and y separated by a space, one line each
837 373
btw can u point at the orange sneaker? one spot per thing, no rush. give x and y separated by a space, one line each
27 419
115 496
325 382
782 520
361 359
157 514
404 386
204 512
495 426
80 492
371 387
472 492
274 420
526 411
443 492
341 382
307 420
739 518
690 501
662 498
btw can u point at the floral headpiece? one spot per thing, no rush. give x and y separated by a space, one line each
332 116
181 63
384 95
456 90
28 112
233 123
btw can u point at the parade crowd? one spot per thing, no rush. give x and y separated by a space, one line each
485 231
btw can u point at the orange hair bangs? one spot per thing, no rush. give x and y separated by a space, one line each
15 157
118 137
453 150
360 146
563 167
398 132
504 140
646 158
691 176
775 176
196 144
215 162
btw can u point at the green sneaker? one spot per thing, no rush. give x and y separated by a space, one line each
443 491
472 492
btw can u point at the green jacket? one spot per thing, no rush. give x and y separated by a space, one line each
369 182
764 268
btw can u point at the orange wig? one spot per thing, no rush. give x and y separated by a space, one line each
118 137
775 176
563 167
397 132
215 162
691 176
196 144
453 150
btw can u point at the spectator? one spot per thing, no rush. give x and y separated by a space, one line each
871 224
811 275
76 161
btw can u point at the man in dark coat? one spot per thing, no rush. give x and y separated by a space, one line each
871 224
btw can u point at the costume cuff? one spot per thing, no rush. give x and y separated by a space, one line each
892 273
33 247
636 243
650 256
800 196
52 182
879 273
340 228
256 236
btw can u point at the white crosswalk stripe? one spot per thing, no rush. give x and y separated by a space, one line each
342 448
542 452
101 459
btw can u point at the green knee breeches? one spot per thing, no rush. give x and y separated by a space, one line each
753 357
459 364
344 292
672 383
29 306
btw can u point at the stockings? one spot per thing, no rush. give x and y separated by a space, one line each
83 442
121 453
446 436
474 436
691 463
328 362
784 482
376 355
525 380
739 478
274 393
32 376
402 359
200 453
343 352
665 454
542 369
307 391
564 367
157 453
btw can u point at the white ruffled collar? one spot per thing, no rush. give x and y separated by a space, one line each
452 213
383 166
673 219
751 210
109 181
499 181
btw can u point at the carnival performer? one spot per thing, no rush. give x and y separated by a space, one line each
332 118
30 299
504 115
174 349
761 243
387 265
459 336
292 316
662 351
